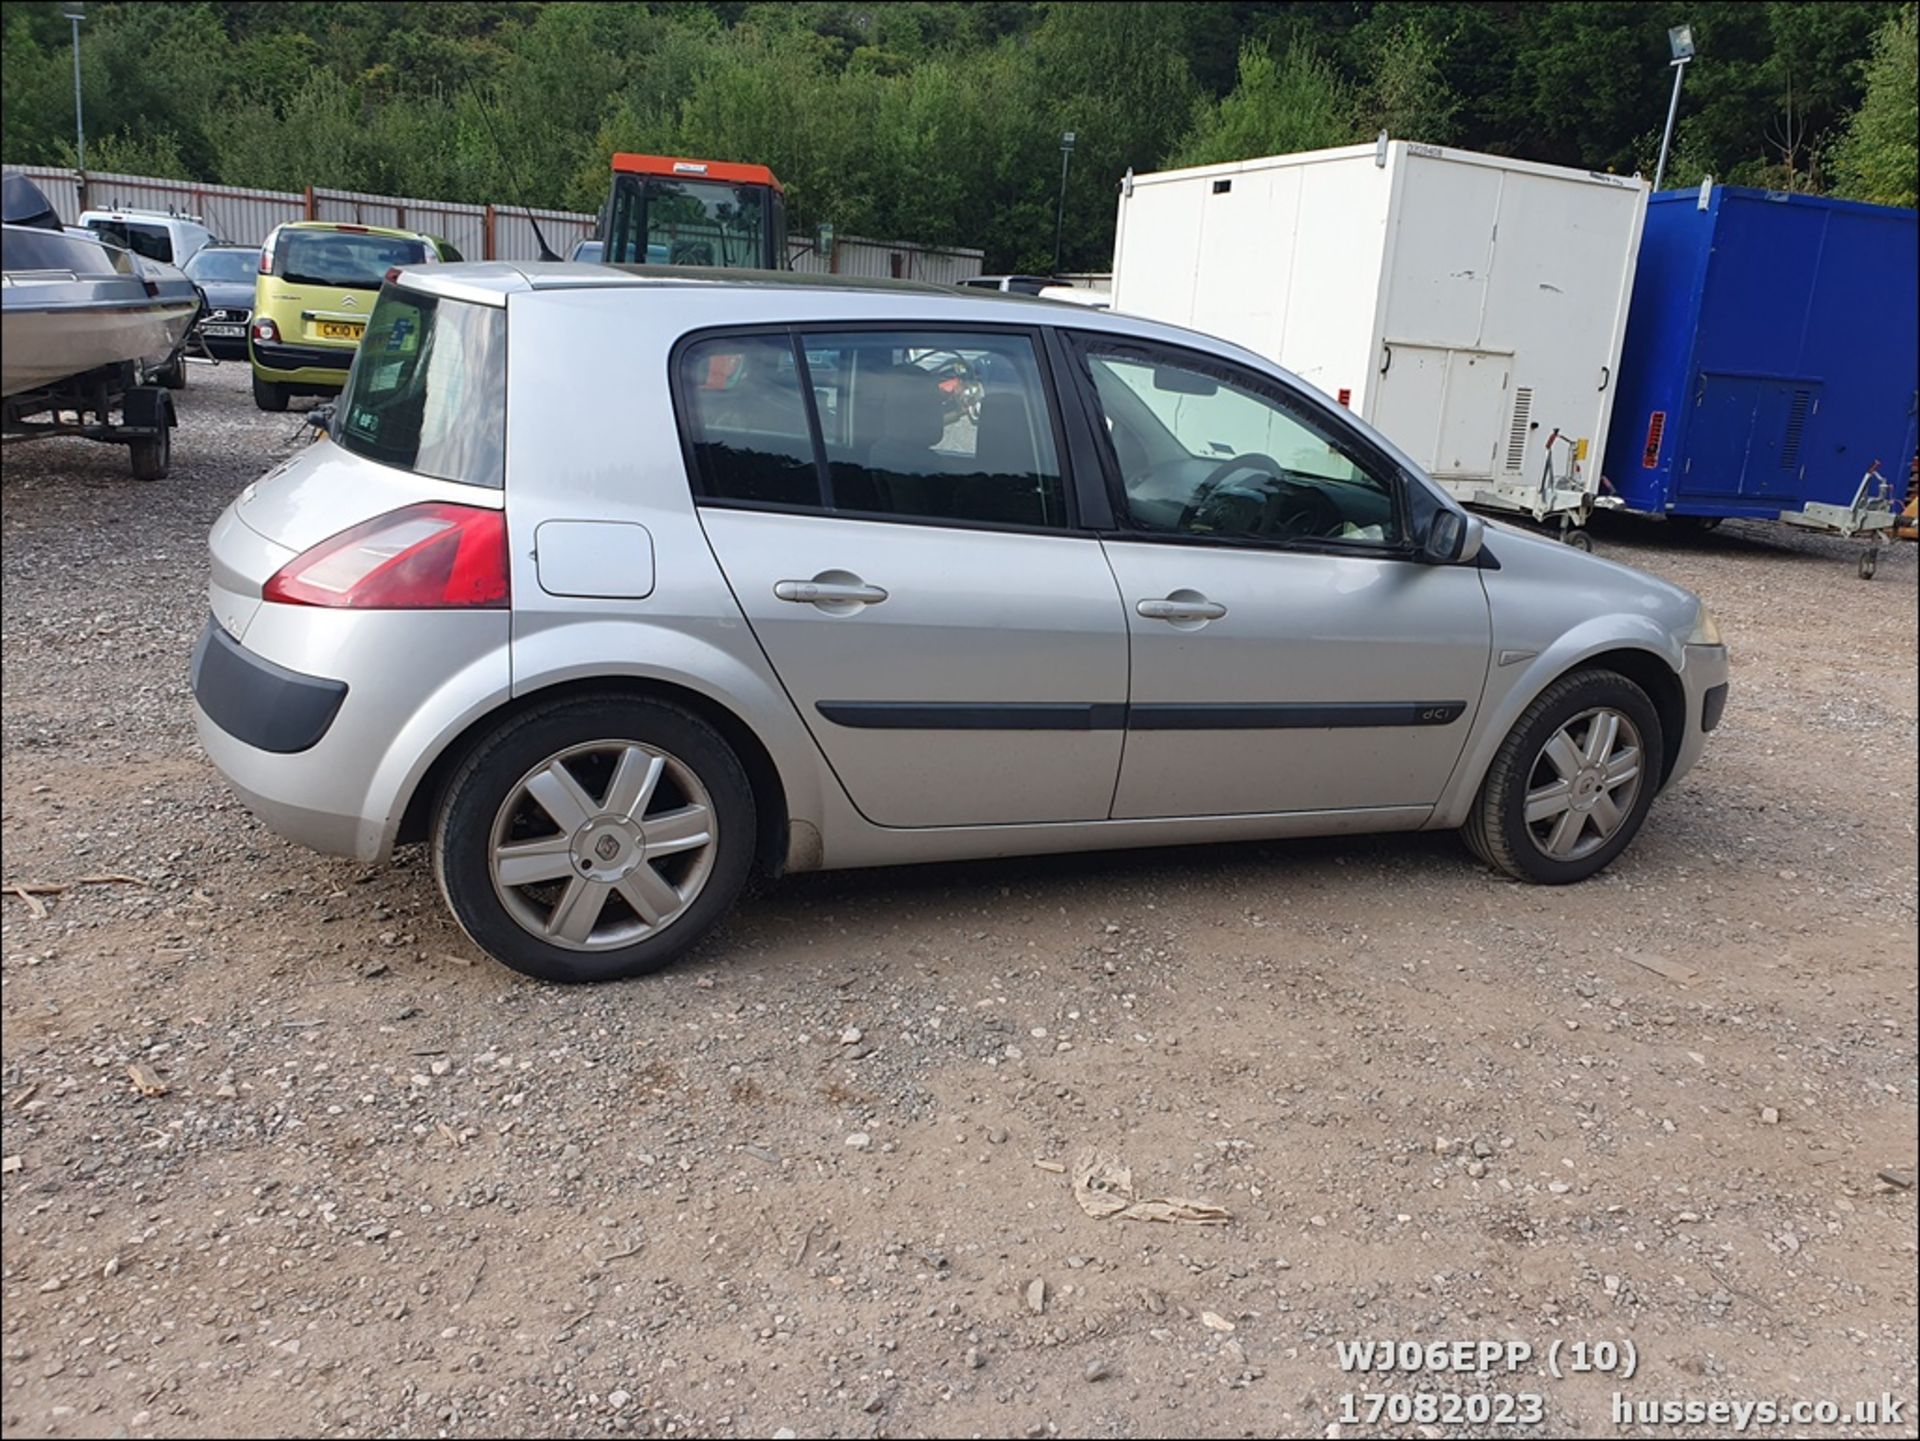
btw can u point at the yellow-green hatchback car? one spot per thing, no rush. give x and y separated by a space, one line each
316 287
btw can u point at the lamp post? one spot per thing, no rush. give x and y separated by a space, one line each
1060 212
1680 42
76 11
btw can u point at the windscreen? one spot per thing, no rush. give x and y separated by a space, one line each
341 258
224 266
428 389
656 221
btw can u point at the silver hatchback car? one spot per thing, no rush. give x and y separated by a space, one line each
614 585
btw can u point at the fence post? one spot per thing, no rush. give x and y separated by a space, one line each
313 211
486 235
80 184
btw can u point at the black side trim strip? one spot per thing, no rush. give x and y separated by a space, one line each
1713 706
253 700
1067 716
1354 714
889 715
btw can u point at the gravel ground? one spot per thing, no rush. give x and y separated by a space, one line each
808 1181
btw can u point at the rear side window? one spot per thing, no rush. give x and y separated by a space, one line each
924 425
152 241
751 439
342 258
428 390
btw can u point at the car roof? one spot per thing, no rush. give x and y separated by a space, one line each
500 277
802 297
354 227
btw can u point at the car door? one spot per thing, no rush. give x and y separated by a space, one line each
1289 652
892 514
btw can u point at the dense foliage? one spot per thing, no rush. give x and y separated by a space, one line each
941 122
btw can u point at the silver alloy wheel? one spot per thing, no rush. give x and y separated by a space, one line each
1584 784
602 845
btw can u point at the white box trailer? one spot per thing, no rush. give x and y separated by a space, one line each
1470 307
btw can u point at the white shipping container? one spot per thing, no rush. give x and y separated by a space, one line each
1470 307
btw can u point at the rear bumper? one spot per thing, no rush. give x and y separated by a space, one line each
301 364
324 721
257 702
1703 676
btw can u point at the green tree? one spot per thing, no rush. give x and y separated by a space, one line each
1406 92
1874 158
1277 107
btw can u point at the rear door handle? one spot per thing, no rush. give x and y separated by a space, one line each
829 592
1181 608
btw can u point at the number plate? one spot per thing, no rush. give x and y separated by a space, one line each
341 329
233 330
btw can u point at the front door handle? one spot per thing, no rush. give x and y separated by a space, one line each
1182 605
831 589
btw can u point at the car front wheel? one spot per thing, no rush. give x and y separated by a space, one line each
1571 784
596 838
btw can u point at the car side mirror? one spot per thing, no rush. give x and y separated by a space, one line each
1454 538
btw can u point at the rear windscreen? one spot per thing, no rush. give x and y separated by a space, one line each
342 258
428 389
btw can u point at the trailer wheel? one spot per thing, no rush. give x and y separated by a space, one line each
172 375
152 457
1869 563
1579 538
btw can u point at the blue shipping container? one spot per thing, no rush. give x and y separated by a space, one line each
1772 354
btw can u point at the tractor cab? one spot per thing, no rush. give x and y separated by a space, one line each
667 211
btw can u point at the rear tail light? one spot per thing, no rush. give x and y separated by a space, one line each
266 261
433 556
266 330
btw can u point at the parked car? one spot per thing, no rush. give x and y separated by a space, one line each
170 239
225 275
1155 590
1016 284
587 251
1078 295
315 288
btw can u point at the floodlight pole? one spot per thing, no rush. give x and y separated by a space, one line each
1060 212
75 15
1673 110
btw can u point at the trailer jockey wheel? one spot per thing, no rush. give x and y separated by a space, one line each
1579 538
1869 562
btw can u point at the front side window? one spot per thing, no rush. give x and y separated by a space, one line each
428 389
1200 454
342 258
915 424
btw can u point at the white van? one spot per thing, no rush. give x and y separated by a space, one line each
158 236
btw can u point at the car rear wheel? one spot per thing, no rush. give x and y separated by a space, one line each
595 838
1571 783
268 395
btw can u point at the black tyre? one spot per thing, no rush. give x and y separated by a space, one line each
1694 525
268 395
153 457
1571 784
172 375
594 838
